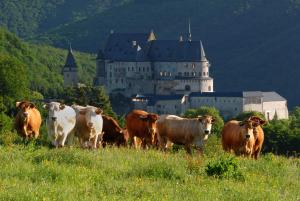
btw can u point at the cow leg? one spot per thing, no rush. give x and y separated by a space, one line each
188 149
200 151
95 141
162 141
256 153
63 139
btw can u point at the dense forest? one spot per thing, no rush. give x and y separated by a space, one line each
255 42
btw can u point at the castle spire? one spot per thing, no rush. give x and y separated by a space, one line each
190 32
202 53
70 61
151 36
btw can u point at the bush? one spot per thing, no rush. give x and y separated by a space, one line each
224 167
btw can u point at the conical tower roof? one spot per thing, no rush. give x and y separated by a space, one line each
70 61
151 36
202 52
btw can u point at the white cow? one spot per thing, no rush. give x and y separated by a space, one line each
60 123
89 124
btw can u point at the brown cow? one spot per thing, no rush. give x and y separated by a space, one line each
113 133
28 120
183 131
141 124
243 138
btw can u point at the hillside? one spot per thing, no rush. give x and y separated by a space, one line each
29 17
44 63
253 45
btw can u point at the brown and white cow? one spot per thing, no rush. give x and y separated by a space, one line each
89 124
243 138
141 124
112 132
183 131
28 120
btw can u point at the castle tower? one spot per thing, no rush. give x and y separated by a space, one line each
206 83
70 70
100 78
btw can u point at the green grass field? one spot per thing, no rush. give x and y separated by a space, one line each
39 173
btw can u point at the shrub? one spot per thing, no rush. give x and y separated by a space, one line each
224 167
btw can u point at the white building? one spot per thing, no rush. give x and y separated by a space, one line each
229 104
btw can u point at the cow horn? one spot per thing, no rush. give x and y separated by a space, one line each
143 116
62 106
18 104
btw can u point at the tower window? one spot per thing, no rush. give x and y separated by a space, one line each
209 88
161 74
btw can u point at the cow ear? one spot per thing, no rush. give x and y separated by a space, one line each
46 106
262 122
62 106
32 105
98 111
213 120
241 123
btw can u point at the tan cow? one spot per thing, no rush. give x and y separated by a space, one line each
243 138
89 124
28 120
184 131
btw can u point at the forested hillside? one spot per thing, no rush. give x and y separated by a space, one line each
252 45
28 17
44 63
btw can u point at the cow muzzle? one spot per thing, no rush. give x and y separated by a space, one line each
90 125
247 136
207 132
25 114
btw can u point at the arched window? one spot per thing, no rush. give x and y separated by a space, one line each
209 88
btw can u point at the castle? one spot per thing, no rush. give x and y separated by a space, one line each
169 77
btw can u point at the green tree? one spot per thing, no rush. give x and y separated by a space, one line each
219 123
245 115
13 81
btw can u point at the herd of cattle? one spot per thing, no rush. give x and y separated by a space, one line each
94 130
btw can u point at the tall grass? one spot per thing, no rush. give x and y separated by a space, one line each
39 173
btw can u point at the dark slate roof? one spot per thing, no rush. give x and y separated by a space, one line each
216 94
152 98
174 50
70 61
272 96
119 47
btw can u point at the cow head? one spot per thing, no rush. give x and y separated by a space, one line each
90 114
247 129
150 119
25 107
257 121
53 109
207 122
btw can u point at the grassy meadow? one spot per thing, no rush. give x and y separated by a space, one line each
34 172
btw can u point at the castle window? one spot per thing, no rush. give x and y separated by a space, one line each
132 68
139 69
143 69
187 87
193 66
199 73
165 73
147 69
128 69
209 88
110 74
161 74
